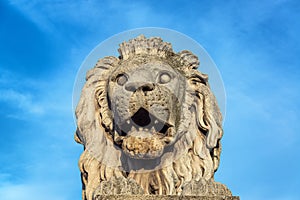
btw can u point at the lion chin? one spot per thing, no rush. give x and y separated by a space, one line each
149 122
144 136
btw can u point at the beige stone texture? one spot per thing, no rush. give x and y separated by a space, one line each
164 197
150 126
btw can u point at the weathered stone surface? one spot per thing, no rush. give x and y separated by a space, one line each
164 197
150 125
117 186
123 186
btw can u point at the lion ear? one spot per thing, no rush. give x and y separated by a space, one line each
103 66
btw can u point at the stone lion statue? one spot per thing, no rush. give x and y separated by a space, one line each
149 124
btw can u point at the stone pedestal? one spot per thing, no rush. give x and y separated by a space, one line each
163 197
127 189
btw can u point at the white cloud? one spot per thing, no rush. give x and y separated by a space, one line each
46 147
21 101
89 15
17 93
51 13
27 98
224 31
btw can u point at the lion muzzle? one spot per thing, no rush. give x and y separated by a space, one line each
152 123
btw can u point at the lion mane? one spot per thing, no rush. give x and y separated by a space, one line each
196 152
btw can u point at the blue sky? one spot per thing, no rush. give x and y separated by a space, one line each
255 45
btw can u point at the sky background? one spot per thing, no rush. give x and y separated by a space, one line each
255 44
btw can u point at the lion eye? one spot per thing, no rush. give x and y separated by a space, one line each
121 79
164 78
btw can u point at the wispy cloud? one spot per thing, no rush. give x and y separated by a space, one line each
88 15
255 44
21 101
45 106
29 98
256 58
19 94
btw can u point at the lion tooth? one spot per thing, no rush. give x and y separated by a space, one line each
128 121
167 139
152 130
133 128
116 134
170 132
156 121
119 139
146 129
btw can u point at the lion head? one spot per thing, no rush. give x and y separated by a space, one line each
149 116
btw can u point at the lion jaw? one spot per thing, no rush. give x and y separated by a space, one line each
150 128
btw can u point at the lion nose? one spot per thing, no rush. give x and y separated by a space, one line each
132 87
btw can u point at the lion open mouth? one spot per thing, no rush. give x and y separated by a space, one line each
144 135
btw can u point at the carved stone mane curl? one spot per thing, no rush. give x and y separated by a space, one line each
197 150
